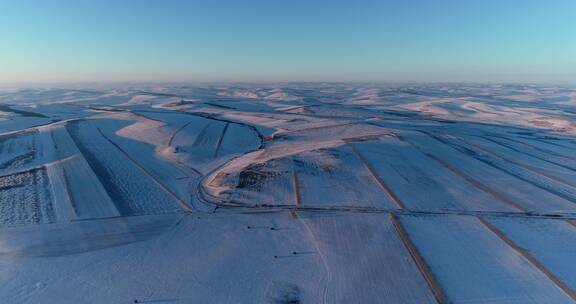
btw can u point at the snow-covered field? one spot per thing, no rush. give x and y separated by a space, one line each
288 193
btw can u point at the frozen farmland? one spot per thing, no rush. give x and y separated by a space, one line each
288 193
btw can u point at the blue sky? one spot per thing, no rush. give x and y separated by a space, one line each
297 40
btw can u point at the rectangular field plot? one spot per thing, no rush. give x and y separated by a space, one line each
422 183
473 265
238 139
130 187
199 143
557 147
515 156
525 194
25 198
18 122
542 154
145 144
203 143
552 242
553 179
75 183
336 177
366 260
270 183
193 139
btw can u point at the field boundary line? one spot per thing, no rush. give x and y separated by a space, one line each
423 267
524 253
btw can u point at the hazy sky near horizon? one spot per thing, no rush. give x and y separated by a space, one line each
297 40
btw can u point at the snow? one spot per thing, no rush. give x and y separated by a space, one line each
336 177
475 266
553 246
163 258
82 193
422 182
522 192
131 188
25 198
288 193
366 260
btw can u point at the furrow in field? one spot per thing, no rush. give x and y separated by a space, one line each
525 195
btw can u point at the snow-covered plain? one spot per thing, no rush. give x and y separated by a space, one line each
288 193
